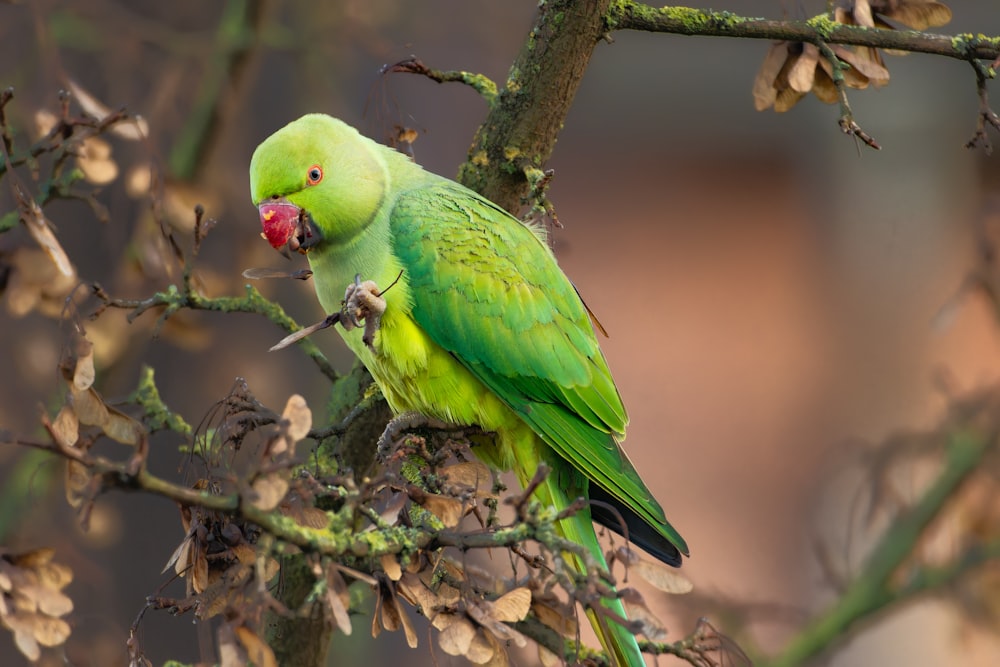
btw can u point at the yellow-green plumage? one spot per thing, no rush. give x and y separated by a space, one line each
482 326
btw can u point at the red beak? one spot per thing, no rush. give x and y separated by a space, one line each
279 219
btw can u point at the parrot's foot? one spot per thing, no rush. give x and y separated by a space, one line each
404 422
363 301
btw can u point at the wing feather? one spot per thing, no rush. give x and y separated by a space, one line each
488 290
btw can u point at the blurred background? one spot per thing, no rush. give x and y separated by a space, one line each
773 292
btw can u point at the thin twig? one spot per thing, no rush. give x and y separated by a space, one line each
986 115
846 121
482 84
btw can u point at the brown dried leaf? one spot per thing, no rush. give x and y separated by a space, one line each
457 636
258 652
198 574
31 560
77 483
181 558
853 78
139 180
271 569
512 606
66 427
49 631
376 626
270 490
338 599
404 619
482 648
88 102
122 428
764 92
31 600
560 619
390 565
472 474
652 627
803 72
244 553
55 576
35 583
483 614
83 370
89 407
25 642
449 510
390 515
917 14
392 614
866 66
862 14
45 120
547 658
50 602
94 160
23 604
134 129
824 88
41 230
229 652
22 297
312 517
786 97
299 417
413 589
661 576
36 283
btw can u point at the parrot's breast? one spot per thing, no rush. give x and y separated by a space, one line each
415 374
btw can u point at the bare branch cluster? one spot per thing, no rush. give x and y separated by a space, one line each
400 532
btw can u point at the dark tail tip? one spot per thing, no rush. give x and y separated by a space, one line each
610 512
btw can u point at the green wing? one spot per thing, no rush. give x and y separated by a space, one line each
489 291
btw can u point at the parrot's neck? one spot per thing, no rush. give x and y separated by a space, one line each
368 255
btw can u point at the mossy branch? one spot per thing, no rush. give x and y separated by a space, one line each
874 590
343 538
482 84
522 125
520 131
631 15
174 299
158 416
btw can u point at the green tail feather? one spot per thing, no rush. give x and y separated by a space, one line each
562 486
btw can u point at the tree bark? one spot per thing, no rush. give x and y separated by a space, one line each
522 127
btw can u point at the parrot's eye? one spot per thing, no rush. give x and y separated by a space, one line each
314 175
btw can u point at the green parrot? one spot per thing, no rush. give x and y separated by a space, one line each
480 326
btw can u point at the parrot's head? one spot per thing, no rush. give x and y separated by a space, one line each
314 181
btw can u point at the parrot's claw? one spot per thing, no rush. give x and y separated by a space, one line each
363 301
399 425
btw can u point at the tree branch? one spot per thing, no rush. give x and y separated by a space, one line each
174 299
631 15
873 590
521 128
520 131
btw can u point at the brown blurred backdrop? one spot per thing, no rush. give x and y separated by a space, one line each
770 290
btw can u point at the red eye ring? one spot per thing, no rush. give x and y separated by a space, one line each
314 175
